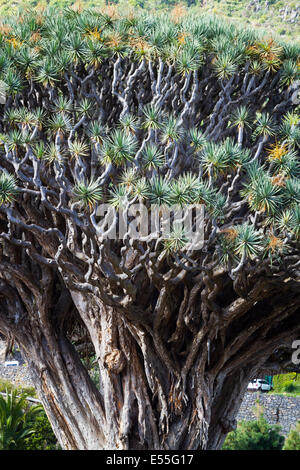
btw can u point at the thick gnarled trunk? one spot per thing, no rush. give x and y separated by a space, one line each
172 378
145 399
127 415
71 400
133 417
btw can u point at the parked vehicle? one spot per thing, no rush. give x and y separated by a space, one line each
11 363
259 385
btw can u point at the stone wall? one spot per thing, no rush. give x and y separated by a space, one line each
19 376
278 409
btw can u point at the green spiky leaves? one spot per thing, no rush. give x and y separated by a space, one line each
152 157
197 139
289 73
188 60
264 125
78 148
155 111
8 189
248 241
119 147
261 192
118 196
240 241
152 118
176 241
88 193
160 192
241 117
225 66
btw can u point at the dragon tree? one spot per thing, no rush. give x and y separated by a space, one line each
101 109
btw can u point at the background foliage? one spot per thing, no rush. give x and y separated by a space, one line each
292 441
23 426
286 383
43 438
16 418
254 435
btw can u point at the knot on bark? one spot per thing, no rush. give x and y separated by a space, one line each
115 361
228 425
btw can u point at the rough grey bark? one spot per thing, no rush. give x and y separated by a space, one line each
151 398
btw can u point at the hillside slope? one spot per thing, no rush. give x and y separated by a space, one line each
277 17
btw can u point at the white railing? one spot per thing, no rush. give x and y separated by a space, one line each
34 400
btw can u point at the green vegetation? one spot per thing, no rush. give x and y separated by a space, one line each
23 426
16 418
259 435
41 51
91 365
292 441
286 384
254 435
20 390
269 17
42 438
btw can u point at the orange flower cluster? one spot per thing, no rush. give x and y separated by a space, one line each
277 151
35 37
178 12
268 52
275 243
16 43
139 44
110 10
182 37
114 40
230 233
94 34
5 29
279 180
77 6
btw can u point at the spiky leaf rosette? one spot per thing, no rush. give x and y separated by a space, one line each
88 193
8 189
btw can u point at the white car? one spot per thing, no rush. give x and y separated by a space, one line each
11 364
259 385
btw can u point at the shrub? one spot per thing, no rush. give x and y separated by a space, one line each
5 385
9 386
289 383
16 418
254 435
290 387
33 426
292 441
43 437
